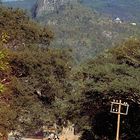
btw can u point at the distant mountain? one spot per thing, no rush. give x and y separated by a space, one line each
24 4
82 29
124 9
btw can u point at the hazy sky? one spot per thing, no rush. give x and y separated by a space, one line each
11 0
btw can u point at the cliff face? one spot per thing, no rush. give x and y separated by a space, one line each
49 5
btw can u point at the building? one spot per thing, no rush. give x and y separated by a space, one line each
118 20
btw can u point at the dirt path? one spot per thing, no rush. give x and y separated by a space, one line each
68 134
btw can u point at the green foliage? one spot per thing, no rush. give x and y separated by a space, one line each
41 77
5 83
19 108
1 87
113 75
3 68
18 26
85 31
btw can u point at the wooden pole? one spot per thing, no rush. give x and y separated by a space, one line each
118 122
118 111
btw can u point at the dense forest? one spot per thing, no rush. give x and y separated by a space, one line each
84 30
41 83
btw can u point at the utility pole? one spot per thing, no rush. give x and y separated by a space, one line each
116 107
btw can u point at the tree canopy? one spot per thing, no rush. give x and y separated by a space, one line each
20 29
113 75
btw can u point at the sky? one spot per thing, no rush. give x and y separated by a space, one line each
11 0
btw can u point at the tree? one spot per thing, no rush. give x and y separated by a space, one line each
19 108
6 113
41 75
22 30
113 75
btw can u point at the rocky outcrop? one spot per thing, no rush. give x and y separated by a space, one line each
49 6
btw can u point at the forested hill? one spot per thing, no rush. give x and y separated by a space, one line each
83 30
125 9
20 28
40 84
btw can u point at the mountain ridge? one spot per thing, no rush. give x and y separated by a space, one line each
127 10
